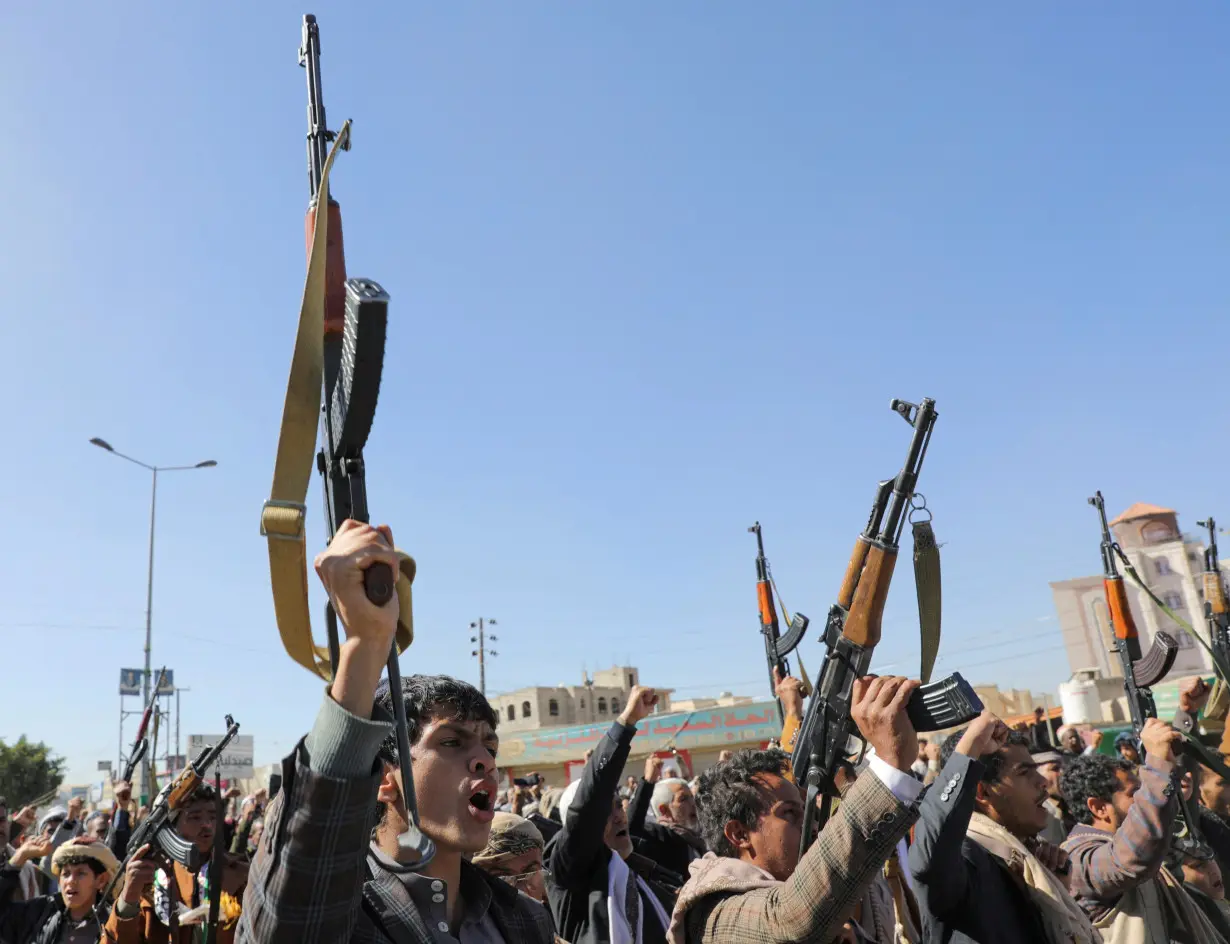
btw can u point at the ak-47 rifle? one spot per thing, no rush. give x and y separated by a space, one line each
776 646
157 830
339 352
1217 619
853 631
1216 610
1142 672
140 744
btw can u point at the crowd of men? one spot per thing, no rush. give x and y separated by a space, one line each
988 835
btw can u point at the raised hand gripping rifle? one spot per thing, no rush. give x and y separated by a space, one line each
157 830
334 381
776 646
853 631
1142 672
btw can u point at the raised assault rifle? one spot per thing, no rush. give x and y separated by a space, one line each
852 632
1217 619
776 646
157 831
1216 610
356 320
1141 673
140 744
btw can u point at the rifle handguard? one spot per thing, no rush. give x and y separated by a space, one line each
1157 662
948 703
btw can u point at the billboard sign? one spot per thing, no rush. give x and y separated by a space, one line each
236 760
130 681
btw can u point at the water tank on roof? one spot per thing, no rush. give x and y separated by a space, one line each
1080 701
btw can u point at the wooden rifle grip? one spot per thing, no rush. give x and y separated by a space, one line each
765 602
1215 593
335 266
845 596
1120 612
862 626
378 583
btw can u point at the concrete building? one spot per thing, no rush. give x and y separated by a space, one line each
1015 701
596 699
724 700
1171 563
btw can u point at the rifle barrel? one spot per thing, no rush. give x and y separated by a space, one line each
318 134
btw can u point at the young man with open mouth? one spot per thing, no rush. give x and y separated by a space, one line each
328 867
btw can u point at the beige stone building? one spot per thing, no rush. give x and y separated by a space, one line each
724 700
600 698
1014 701
1170 562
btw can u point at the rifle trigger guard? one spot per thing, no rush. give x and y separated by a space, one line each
918 504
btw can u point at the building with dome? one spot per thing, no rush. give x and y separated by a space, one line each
1171 563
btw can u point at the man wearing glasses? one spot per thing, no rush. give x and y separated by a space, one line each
514 855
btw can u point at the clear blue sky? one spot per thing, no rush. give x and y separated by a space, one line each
656 270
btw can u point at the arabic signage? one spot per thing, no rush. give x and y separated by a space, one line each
236 759
697 730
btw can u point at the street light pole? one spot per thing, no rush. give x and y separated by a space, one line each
149 586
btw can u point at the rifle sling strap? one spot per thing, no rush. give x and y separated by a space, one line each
928 584
283 517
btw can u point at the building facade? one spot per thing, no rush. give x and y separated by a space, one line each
1171 563
597 699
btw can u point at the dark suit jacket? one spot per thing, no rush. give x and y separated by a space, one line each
967 896
311 881
578 855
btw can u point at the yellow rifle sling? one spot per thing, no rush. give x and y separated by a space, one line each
283 517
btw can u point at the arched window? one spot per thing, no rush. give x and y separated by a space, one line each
1155 532
614 705
601 706
512 713
525 709
553 707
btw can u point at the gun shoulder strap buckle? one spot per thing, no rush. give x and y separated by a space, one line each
284 516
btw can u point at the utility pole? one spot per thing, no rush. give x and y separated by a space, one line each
482 651
177 691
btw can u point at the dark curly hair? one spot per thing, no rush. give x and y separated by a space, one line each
992 764
728 791
1091 775
432 696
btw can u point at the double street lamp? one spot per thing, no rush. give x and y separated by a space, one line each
149 589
